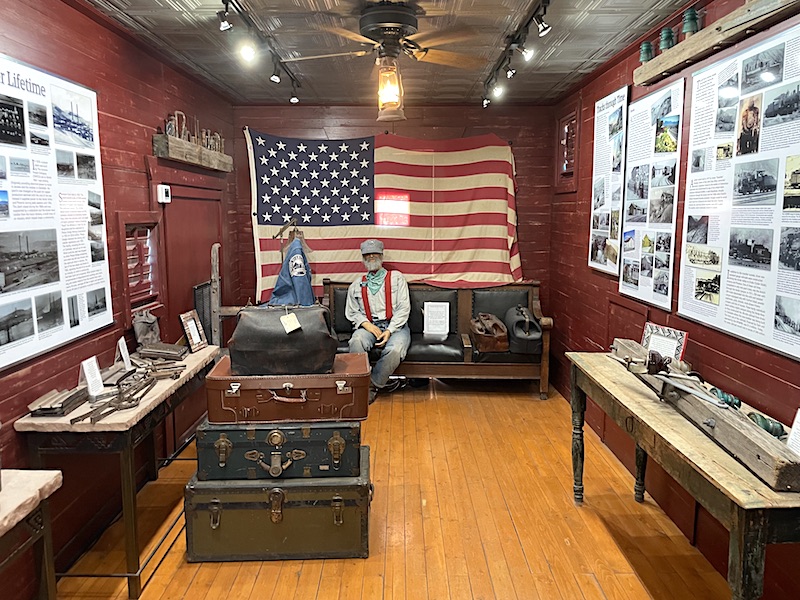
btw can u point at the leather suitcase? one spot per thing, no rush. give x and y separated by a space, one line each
278 450
269 520
342 395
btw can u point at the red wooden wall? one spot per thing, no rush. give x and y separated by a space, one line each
135 92
589 313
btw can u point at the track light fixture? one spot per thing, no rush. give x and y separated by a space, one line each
294 99
276 72
502 67
248 49
224 24
543 27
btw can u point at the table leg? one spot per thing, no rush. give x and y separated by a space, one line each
43 556
746 553
578 404
641 467
151 460
128 477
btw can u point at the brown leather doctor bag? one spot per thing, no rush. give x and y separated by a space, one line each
488 333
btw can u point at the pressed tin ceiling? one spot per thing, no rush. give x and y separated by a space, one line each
585 34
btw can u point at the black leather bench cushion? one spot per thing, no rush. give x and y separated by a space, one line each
496 301
340 322
505 357
416 319
450 350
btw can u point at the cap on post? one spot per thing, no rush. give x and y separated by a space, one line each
372 247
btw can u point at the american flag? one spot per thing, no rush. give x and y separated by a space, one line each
445 209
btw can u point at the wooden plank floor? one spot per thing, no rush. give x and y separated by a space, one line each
473 499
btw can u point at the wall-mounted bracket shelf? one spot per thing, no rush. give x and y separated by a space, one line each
167 146
754 16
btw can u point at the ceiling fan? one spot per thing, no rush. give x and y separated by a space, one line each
391 30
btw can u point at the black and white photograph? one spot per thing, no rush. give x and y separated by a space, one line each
662 201
74 313
37 114
750 247
616 153
3 167
648 243
660 108
629 240
698 160
630 272
616 195
663 242
40 139
728 92
646 269
697 229
49 312
12 121
601 220
661 282
762 69
614 224
787 314
65 163
96 246
661 260
755 183
789 253
663 173
638 182
5 213
707 257
599 193
707 286
95 211
724 151
726 120
72 118
96 301
791 183
636 211
782 105
86 166
19 166
748 125
615 122
597 251
28 259
16 321
667 132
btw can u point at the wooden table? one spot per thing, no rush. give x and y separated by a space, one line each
119 433
753 513
25 521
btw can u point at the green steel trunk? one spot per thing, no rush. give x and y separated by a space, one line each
277 520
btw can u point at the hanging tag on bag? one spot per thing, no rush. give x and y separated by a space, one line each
290 322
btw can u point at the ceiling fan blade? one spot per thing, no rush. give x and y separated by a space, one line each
352 53
449 59
350 35
433 38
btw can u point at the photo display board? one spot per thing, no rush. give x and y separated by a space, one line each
649 210
54 276
740 255
610 119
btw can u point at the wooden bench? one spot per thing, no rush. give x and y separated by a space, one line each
455 357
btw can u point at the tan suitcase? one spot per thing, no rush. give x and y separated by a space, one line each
342 395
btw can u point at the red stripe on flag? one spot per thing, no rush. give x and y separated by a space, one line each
386 167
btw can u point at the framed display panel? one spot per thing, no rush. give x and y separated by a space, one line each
54 276
193 330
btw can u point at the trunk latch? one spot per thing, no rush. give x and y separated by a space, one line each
276 499
223 447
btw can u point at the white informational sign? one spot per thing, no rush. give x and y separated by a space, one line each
793 441
436 322
740 257
610 119
664 340
652 173
122 350
54 277
90 375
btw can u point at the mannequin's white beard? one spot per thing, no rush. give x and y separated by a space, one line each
373 264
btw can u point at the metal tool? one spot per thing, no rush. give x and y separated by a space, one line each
131 390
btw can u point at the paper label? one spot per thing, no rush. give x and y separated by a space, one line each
793 442
290 322
194 333
90 373
437 317
123 354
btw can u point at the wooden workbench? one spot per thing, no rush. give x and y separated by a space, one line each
753 513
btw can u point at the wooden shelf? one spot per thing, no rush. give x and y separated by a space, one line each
167 146
754 16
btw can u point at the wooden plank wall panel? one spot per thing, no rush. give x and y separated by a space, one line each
581 298
530 131
135 92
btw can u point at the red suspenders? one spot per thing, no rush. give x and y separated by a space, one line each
387 287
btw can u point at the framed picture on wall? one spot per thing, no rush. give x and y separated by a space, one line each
193 329
566 159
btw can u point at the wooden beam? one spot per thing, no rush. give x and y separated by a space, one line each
167 146
743 22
